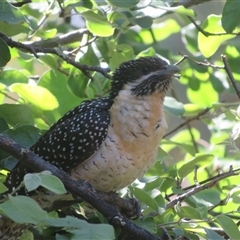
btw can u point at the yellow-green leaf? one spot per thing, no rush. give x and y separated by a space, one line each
209 45
98 24
36 95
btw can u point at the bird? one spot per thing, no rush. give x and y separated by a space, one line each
109 141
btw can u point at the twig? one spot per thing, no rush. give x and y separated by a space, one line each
188 121
207 34
199 188
80 189
34 50
42 20
230 75
205 63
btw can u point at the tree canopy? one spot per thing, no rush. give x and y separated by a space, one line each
56 54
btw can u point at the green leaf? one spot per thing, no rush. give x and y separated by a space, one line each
230 15
191 109
98 24
209 45
52 183
36 95
144 198
123 4
81 229
94 232
119 53
3 188
16 114
26 135
12 21
8 77
200 160
207 198
3 125
78 83
56 83
31 181
144 22
200 97
173 106
229 227
23 209
147 223
188 212
5 53
9 13
212 235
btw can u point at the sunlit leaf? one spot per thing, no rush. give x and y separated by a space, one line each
201 96
210 44
98 24
36 95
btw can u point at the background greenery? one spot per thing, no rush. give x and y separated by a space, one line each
193 166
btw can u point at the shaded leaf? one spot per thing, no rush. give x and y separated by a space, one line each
173 106
16 114
212 235
230 15
5 55
144 198
123 4
23 209
31 181
229 227
52 183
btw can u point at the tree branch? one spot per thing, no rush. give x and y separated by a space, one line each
187 122
230 75
199 188
34 50
71 37
80 189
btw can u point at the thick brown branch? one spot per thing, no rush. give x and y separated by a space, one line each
58 52
82 190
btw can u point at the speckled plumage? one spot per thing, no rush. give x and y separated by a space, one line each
109 141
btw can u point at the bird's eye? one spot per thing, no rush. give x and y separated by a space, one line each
145 70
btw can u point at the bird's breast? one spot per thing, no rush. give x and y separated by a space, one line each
131 145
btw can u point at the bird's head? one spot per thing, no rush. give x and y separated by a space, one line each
143 76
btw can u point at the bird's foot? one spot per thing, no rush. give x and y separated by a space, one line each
129 207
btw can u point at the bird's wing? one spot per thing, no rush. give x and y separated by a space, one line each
72 140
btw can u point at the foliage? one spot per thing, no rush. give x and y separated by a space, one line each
37 88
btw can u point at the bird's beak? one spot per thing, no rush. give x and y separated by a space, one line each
172 69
